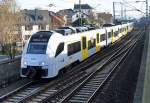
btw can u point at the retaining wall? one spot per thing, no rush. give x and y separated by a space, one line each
9 71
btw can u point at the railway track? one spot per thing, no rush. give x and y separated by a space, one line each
39 93
86 91
41 97
27 91
88 88
105 53
20 93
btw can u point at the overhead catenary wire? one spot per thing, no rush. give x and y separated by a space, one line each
133 7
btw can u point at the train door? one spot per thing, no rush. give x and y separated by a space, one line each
84 49
97 42
112 34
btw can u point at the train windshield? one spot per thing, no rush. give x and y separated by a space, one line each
38 42
37 48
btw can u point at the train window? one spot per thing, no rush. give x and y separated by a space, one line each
120 30
115 33
59 49
124 29
97 37
91 43
37 48
74 48
83 42
109 34
94 42
102 37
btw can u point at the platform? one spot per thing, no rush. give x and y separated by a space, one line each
142 93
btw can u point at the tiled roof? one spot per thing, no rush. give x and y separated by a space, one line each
83 6
39 16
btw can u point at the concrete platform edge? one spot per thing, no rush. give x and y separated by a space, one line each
146 92
140 93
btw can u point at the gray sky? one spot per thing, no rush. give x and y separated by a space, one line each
99 5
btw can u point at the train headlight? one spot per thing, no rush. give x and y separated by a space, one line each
42 63
25 63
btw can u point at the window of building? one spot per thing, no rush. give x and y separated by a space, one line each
42 27
74 48
27 37
28 27
60 48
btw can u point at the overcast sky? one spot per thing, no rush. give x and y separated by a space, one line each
99 5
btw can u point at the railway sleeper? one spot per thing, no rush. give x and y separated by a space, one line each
41 97
36 100
82 95
77 101
21 95
85 91
100 76
88 89
17 97
92 85
8 102
97 79
12 100
45 94
94 82
79 98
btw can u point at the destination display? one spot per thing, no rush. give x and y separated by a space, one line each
42 37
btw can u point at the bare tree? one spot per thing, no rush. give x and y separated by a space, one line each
92 18
9 21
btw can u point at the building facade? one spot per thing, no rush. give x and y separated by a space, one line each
36 20
85 8
67 13
105 18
